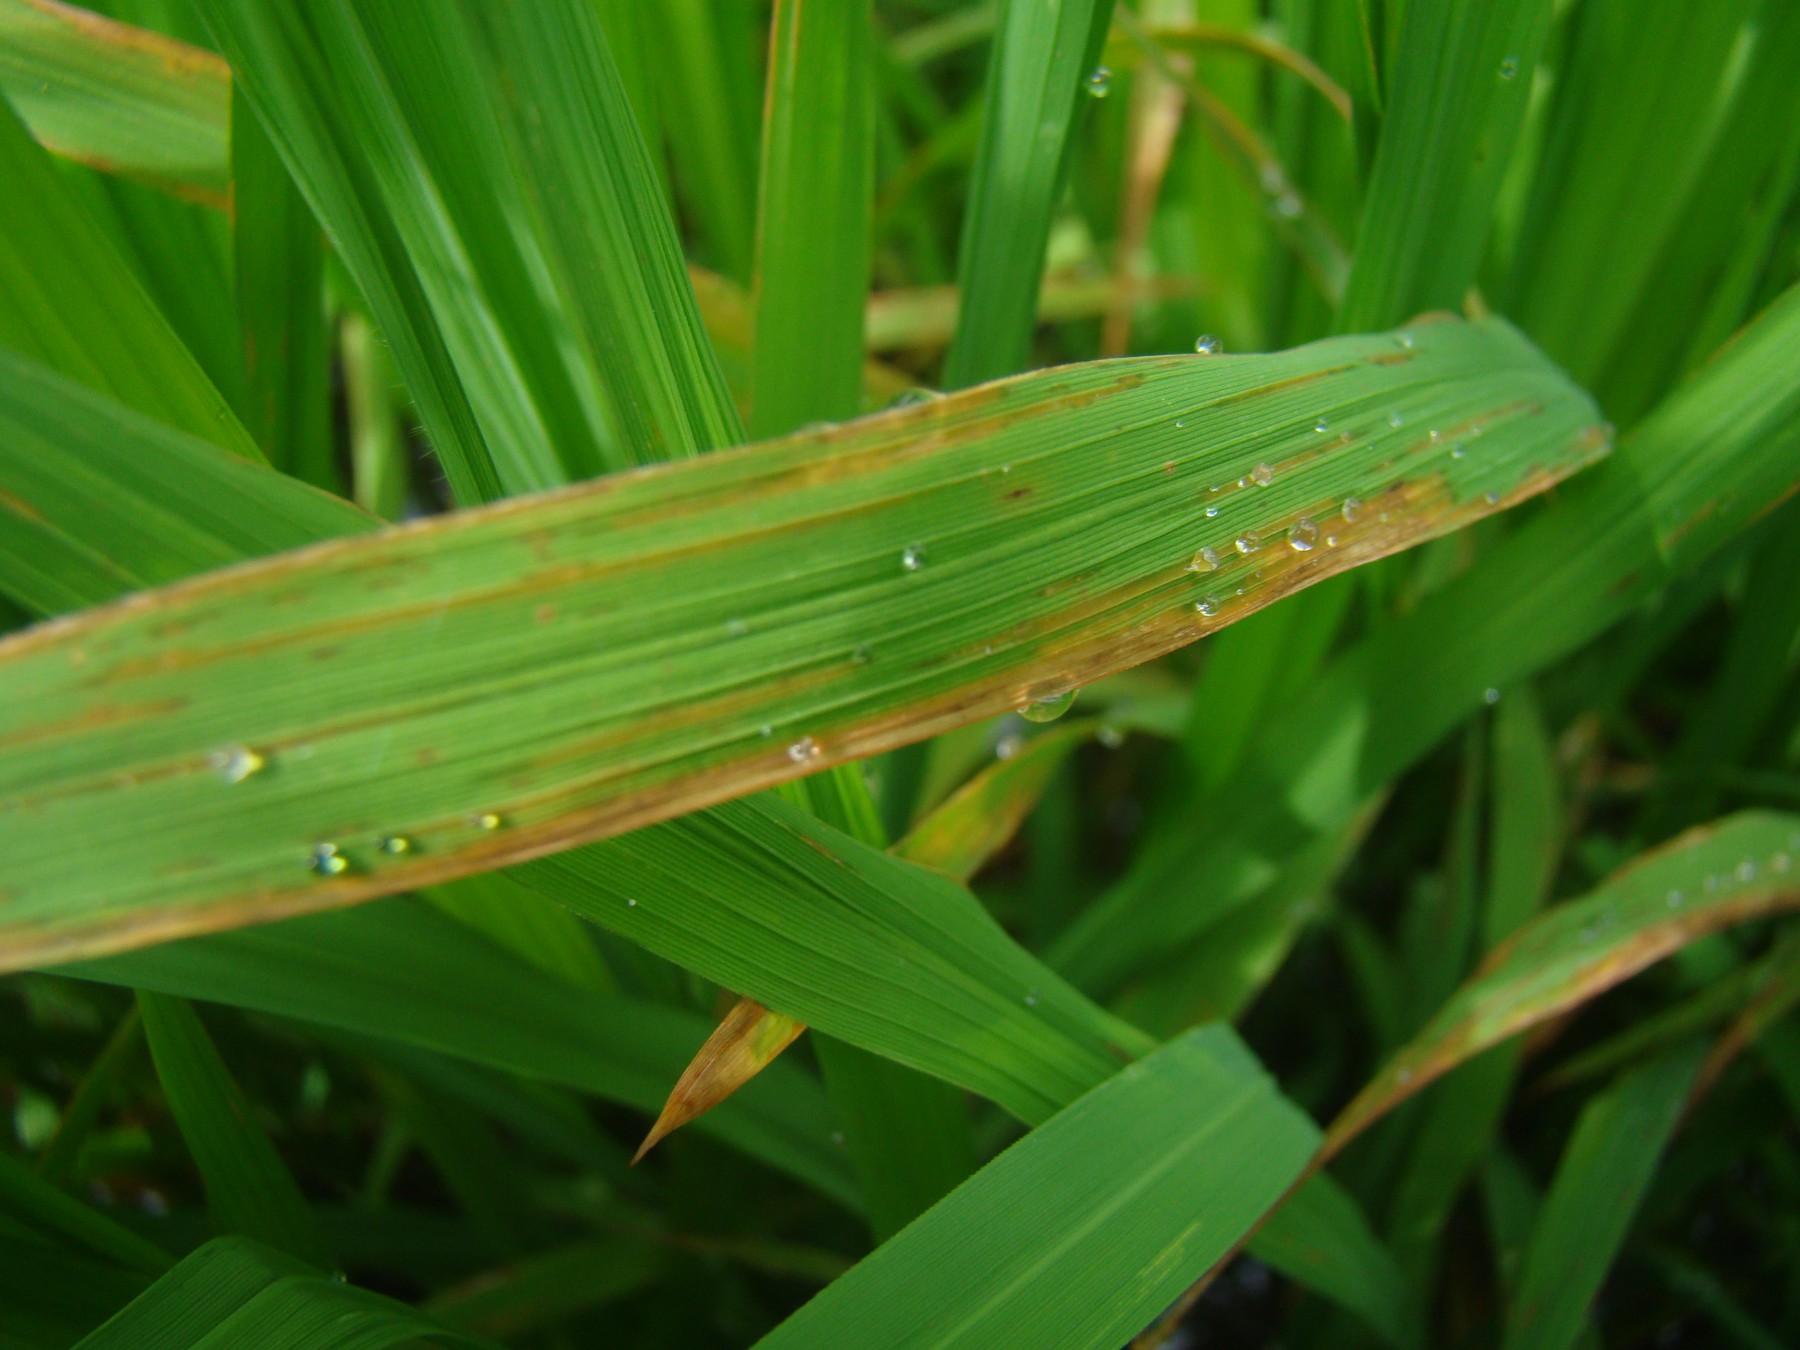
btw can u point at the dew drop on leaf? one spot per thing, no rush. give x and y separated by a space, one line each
1248 542
327 861
1049 708
238 763
1304 536
1099 84
1208 345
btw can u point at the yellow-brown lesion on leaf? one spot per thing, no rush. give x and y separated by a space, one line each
748 1039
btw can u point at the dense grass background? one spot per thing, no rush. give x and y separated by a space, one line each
1402 964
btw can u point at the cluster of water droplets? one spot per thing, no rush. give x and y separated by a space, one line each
1099 82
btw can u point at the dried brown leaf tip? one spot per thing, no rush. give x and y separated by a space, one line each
741 1046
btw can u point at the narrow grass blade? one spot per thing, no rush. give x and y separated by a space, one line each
1723 450
1319 1238
57 1163
1455 104
234 1292
33 1202
407 974
1596 225
1738 869
72 303
118 98
1083 1231
851 590
1727 227
814 217
709 115
249 1191
380 460
1040 73
1599 1183
279 252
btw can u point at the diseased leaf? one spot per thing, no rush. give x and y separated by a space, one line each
1715 876
119 98
248 1189
499 684
745 1042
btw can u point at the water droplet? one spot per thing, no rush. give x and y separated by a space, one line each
1248 542
1008 745
736 627
238 763
327 861
1675 899
1352 509
1457 450
1031 999
1208 605
1491 498
1208 345
1403 341
1099 84
804 749
912 398
1509 67
1110 736
395 844
1270 175
1432 434
1304 536
765 730
1206 560
1212 512
1490 696
1179 424
1746 870
1048 708
912 557
1331 541
1396 419
488 820
630 902
1262 475
1288 206
862 655
1322 426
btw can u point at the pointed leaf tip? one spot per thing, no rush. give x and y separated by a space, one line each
747 1040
